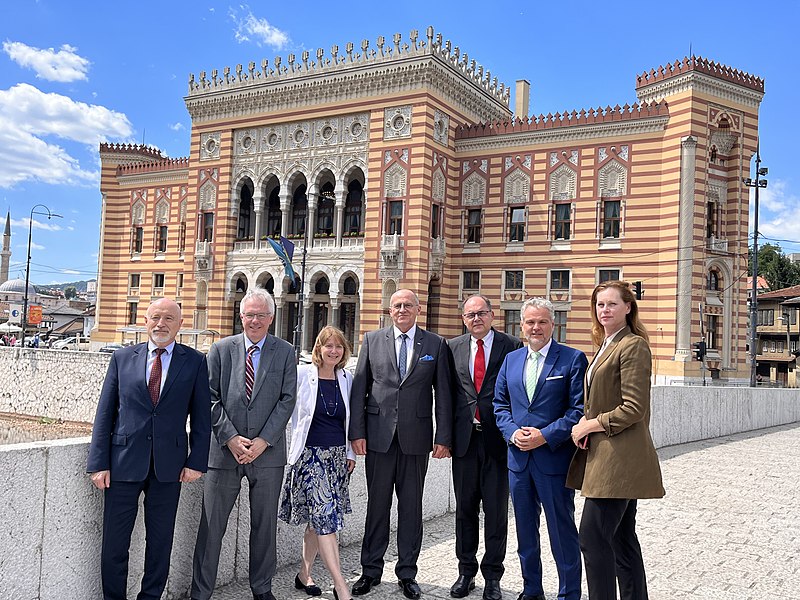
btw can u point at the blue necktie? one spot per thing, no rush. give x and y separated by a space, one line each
403 362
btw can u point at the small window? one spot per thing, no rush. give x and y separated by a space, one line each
395 225
472 280
604 275
516 225
560 326
513 280
138 239
208 226
182 237
611 218
180 282
559 280
562 221
474 226
511 322
162 238
299 211
713 281
134 280
158 280
132 309
436 212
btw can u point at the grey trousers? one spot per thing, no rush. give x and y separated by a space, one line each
220 491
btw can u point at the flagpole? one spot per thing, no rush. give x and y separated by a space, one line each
298 330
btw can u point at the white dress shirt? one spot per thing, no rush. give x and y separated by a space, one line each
166 359
411 333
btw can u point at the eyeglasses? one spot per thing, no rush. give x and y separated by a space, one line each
480 314
256 316
407 306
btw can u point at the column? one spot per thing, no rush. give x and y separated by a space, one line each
333 313
339 222
286 213
258 208
685 241
307 343
311 213
278 318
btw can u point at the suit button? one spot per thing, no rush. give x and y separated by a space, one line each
250 407
149 437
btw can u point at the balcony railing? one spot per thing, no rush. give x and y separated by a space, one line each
717 244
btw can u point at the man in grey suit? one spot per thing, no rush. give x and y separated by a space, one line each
480 469
391 421
253 381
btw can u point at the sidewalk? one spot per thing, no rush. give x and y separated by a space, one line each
727 529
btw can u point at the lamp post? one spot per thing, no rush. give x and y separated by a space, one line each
49 214
756 183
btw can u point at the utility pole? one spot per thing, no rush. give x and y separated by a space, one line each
756 183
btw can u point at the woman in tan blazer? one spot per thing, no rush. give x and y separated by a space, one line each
616 462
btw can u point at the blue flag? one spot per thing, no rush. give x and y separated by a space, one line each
285 251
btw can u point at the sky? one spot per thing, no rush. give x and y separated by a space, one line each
74 74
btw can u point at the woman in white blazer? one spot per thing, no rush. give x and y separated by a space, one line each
321 459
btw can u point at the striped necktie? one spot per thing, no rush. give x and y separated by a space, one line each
249 372
532 374
402 363
154 383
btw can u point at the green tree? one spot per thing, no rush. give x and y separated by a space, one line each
775 267
71 291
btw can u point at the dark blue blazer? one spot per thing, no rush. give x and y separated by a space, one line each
129 430
557 405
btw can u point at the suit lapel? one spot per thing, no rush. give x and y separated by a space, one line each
498 351
267 351
599 360
547 367
391 352
416 352
175 365
461 358
140 370
237 364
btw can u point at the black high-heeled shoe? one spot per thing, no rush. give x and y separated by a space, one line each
336 596
311 590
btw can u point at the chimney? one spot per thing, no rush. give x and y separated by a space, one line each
522 98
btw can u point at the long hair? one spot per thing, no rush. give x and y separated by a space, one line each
326 334
632 318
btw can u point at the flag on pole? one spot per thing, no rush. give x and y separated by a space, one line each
285 251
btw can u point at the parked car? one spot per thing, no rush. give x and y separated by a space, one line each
111 348
73 343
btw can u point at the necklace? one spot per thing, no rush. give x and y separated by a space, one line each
325 404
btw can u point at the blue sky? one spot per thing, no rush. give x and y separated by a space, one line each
73 74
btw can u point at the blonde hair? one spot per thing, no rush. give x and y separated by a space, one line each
632 318
326 334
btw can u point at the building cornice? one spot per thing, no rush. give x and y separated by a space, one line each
419 67
700 83
147 178
560 135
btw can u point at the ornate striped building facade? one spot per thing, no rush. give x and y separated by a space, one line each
403 165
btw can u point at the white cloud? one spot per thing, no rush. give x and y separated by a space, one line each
251 28
47 225
63 65
778 214
28 116
70 272
177 126
35 246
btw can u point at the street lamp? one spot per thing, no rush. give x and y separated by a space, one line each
756 183
49 215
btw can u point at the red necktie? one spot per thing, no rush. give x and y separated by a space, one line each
479 371
249 372
154 383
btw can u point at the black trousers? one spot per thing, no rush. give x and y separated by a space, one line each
611 550
121 505
389 472
481 478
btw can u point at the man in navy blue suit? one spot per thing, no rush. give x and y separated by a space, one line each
140 445
538 398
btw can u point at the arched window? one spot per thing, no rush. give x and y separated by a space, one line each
322 286
299 210
352 209
274 213
350 286
245 213
713 281
325 210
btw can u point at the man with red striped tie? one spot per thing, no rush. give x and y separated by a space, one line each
253 379
480 471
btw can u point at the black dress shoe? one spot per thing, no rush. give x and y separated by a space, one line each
264 596
462 586
410 588
364 584
491 590
311 590
524 596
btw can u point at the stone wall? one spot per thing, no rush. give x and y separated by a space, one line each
61 384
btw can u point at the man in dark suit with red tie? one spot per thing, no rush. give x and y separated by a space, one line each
140 445
480 468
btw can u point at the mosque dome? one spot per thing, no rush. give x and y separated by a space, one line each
17 286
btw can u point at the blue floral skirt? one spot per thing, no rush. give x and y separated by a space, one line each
315 490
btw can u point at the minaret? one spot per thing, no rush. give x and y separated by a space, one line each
5 254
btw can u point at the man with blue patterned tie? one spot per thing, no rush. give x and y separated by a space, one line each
538 398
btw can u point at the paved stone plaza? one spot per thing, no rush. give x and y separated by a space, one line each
728 528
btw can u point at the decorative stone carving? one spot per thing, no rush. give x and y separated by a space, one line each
397 122
612 180
209 145
394 181
162 211
438 185
272 139
182 211
517 187
299 135
208 196
137 213
441 127
602 154
326 132
724 140
355 128
473 190
563 183
553 159
387 157
573 157
623 152
526 162
246 142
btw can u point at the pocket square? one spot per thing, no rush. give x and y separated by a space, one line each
554 377
426 358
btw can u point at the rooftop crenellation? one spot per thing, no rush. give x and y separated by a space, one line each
700 65
593 116
136 149
165 164
397 50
